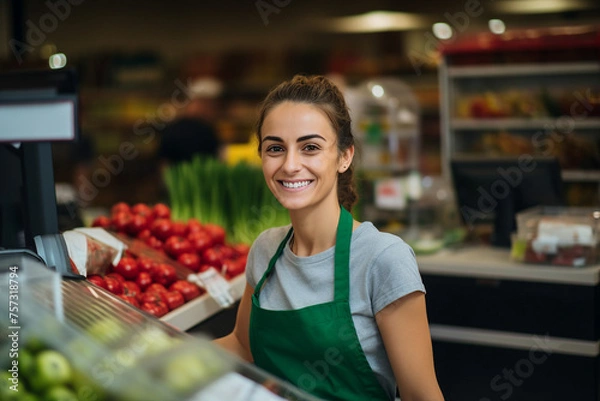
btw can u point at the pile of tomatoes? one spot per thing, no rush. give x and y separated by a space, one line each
153 285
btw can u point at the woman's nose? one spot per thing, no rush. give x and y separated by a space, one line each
292 162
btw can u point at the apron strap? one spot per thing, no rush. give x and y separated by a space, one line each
342 256
272 263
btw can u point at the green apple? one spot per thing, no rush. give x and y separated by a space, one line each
26 361
60 393
52 368
85 388
5 392
186 372
106 330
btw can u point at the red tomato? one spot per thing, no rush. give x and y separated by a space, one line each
131 289
173 299
150 297
161 211
120 221
128 268
180 229
156 287
200 241
143 280
129 299
142 209
116 276
162 228
193 226
113 285
213 256
137 224
144 234
97 279
216 232
120 207
190 260
101 221
164 274
187 289
175 246
158 309
233 267
145 264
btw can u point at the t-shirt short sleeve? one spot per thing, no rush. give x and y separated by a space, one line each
394 273
262 250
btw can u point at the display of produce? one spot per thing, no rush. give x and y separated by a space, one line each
234 197
76 341
557 236
161 254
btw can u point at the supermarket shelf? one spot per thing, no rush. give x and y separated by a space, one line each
469 124
523 69
201 308
581 175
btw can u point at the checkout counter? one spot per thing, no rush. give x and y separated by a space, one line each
504 330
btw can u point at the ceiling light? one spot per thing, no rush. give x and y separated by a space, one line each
497 26
441 30
375 21
541 7
377 91
57 61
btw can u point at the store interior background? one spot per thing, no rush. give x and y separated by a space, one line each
130 56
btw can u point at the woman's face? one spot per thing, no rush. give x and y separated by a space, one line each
300 157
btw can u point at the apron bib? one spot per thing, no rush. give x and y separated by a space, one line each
316 348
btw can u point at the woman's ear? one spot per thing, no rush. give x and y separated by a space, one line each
346 159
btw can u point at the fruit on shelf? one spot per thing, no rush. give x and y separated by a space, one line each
190 260
127 267
52 369
176 245
188 290
192 245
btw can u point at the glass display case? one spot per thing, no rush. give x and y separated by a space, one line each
71 338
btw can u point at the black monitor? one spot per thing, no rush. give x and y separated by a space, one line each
36 109
493 190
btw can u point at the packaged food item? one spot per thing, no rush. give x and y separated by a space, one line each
561 236
92 250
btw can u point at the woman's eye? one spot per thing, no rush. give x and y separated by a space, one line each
274 148
311 147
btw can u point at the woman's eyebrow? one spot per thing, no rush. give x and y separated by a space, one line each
301 139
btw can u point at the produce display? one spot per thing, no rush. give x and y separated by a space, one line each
152 274
525 103
46 374
234 197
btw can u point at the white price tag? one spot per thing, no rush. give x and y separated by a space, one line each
216 286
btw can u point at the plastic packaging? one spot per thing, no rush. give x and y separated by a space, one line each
561 236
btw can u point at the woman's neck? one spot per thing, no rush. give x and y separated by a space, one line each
314 230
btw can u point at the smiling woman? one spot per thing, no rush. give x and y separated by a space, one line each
351 295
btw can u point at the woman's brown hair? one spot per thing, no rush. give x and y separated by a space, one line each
322 93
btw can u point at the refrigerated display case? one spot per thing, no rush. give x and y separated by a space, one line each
73 338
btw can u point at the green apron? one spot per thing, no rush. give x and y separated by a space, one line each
316 347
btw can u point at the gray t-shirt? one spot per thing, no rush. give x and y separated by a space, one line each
382 269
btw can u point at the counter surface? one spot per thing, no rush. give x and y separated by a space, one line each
494 263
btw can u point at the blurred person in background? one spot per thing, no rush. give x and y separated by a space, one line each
193 131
